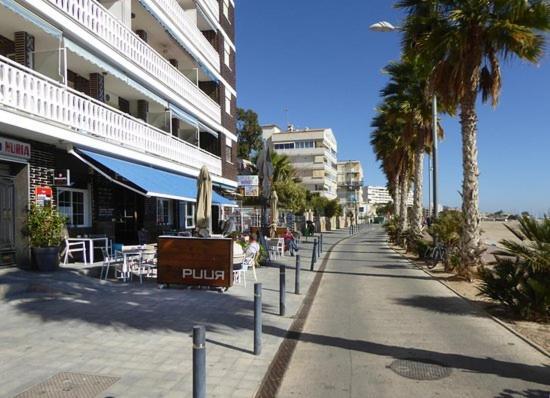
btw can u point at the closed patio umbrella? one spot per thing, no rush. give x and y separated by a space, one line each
273 203
204 203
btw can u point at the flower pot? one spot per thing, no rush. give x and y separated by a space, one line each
45 259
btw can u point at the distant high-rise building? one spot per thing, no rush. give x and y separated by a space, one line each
312 153
350 187
380 195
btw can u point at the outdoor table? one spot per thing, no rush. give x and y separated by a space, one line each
132 251
89 242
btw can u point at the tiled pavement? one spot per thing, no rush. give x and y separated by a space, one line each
69 322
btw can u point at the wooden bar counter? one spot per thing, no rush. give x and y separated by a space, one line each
195 261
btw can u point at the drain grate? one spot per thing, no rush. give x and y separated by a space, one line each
70 385
420 369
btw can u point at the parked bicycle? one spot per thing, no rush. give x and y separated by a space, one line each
435 255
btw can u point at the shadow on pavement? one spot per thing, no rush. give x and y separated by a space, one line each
67 296
512 370
523 394
445 305
378 275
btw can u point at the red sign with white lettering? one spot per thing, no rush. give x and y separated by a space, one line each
14 149
43 195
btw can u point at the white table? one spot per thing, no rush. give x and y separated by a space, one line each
132 251
90 244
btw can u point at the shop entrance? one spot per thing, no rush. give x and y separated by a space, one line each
129 208
7 221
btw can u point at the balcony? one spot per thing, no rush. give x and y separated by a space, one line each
212 7
185 29
118 36
24 90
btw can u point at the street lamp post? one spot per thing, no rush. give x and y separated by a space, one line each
384 26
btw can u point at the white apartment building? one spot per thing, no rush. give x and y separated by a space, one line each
312 152
380 196
109 108
350 187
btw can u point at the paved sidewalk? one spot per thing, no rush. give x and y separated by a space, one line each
67 322
380 327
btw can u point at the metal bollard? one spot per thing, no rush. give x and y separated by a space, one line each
314 254
321 243
297 275
282 290
257 318
199 362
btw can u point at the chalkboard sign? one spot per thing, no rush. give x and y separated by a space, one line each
103 199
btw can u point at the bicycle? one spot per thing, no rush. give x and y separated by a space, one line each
435 255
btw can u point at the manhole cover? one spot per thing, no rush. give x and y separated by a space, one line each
70 385
420 369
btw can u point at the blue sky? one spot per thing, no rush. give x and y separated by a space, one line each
320 61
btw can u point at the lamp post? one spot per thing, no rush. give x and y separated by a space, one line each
384 26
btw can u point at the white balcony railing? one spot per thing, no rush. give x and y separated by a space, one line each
188 28
28 91
213 6
111 30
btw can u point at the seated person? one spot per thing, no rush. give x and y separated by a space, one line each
290 242
251 250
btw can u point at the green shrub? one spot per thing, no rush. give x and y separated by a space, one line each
520 278
44 226
392 229
448 229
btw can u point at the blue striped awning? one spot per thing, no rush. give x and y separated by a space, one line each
152 181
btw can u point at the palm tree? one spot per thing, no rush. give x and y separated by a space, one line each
463 41
407 88
282 168
394 153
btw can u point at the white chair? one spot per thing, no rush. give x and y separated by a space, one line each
147 263
74 247
114 261
239 275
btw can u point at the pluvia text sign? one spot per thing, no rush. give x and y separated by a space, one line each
14 149
195 261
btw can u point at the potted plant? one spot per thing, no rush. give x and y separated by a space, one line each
45 227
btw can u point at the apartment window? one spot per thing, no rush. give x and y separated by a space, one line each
75 205
226 8
227 54
164 211
286 145
228 154
228 101
304 144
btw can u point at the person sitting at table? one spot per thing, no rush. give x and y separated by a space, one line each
290 242
253 246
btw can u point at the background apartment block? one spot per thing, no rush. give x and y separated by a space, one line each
350 187
109 91
376 196
312 152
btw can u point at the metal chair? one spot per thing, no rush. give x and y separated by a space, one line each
74 247
114 260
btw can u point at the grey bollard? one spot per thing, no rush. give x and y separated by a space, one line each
282 290
318 248
199 362
314 254
257 318
297 276
321 243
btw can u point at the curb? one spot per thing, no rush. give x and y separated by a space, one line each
526 339
273 378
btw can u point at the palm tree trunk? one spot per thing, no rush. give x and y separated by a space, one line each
396 196
418 183
470 184
403 201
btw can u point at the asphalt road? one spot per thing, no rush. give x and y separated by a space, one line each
378 324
